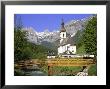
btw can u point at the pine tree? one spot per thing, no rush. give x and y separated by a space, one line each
90 37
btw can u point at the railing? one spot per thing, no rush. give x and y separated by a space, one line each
72 62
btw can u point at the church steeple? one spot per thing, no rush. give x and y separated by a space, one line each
62 27
62 32
62 23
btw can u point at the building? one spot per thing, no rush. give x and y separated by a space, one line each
66 46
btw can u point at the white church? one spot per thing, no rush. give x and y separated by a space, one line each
67 46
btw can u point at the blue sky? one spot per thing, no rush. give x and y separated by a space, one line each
40 22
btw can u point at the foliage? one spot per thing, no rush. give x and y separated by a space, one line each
62 70
81 50
41 56
51 46
90 37
24 50
86 40
65 70
27 53
92 70
20 43
78 38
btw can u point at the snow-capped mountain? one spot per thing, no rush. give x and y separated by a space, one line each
71 27
31 35
48 36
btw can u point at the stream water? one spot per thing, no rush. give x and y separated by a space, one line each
34 72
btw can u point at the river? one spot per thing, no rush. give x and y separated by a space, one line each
33 71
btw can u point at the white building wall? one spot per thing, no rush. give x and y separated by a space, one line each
72 49
59 50
62 49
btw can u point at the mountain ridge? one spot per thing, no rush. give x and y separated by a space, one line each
71 27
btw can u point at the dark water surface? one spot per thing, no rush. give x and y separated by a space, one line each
35 73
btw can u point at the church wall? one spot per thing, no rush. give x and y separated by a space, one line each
63 48
73 49
60 50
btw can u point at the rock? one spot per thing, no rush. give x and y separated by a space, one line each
82 74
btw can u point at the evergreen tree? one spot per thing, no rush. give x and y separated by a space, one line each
90 37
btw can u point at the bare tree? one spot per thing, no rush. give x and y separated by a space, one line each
18 22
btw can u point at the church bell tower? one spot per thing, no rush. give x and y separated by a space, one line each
62 32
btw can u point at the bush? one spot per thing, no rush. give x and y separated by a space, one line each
27 53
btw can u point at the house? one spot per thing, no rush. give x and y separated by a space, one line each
66 45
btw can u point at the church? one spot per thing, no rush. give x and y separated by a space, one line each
66 44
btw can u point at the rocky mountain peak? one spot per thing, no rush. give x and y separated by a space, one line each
71 27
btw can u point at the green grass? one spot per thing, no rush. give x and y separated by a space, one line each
44 69
61 70
92 70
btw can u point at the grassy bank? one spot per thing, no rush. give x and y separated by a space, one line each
62 70
92 70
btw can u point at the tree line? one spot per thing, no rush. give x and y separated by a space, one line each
86 40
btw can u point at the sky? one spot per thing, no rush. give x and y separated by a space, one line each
52 22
